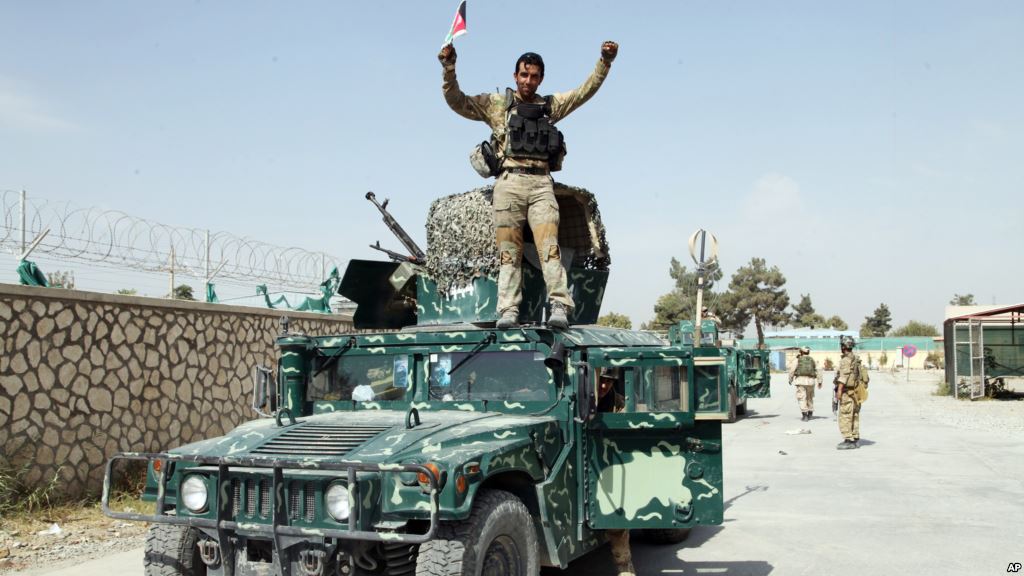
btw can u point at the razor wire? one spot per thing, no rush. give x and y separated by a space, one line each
97 236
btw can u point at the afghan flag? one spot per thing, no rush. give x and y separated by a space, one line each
458 24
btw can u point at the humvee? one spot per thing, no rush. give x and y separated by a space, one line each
444 447
747 374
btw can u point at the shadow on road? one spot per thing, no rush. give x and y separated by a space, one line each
651 558
752 415
748 490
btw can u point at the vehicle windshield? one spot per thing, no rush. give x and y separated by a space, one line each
514 376
362 378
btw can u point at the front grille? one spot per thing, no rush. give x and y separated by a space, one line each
320 440
251 497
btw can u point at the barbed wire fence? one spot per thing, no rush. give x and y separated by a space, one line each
113 239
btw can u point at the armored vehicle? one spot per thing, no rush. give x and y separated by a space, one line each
747 373
444 446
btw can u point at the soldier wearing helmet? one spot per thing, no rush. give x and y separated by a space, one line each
610 385
805 373
849 406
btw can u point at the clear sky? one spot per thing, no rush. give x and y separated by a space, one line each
871 150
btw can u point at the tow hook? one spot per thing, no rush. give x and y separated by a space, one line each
209 552
311 562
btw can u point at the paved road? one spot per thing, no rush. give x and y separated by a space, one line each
920 497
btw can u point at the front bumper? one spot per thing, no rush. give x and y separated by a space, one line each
279 530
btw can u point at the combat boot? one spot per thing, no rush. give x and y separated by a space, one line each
810 416
558 319
846 445
509 319
803 416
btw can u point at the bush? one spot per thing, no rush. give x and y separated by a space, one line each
19 495
883 360
827 364
935 359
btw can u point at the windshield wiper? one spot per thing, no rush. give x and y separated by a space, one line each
490 339
334 357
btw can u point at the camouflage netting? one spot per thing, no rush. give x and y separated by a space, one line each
460 235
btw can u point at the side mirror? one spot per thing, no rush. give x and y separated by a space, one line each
586 400
264 391
556 359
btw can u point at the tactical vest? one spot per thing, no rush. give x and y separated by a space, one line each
805 366
530 133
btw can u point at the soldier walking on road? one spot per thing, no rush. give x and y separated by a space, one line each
805 373
846 382
526 148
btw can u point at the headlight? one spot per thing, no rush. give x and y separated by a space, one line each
336 501
193 493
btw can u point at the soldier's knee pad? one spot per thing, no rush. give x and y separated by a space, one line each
508 253
552 252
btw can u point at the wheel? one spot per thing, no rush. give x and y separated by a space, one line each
741 408
171 551
732 404
665 535
498 539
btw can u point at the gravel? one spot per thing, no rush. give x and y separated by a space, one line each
1004 417
79 539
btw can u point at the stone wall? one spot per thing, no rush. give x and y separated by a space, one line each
85 375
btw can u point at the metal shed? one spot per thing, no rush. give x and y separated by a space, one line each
983 345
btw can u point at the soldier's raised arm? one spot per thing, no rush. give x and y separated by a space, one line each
563 103
472 107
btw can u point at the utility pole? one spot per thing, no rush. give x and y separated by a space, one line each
170 293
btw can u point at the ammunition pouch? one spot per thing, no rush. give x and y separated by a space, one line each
483 160
531 135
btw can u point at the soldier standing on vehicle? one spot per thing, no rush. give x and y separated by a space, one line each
610 400
805 373
849 406
526 149
709 315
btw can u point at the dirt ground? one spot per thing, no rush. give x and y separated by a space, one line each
65 534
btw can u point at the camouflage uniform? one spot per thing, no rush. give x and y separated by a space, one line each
805 388
849 407
523 198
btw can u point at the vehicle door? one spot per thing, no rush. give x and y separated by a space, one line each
651 462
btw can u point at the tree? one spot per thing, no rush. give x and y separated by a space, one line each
681 302
756 292
615 321
915 328
837 323
127 291
878 324
60 279
962 300
803 310
183 292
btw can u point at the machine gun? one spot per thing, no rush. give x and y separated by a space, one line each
417 257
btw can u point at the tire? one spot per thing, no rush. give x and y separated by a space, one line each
741 408
498 537
171 551
665 535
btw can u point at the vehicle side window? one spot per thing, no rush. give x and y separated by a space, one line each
667 385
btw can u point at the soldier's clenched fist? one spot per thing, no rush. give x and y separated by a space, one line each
447 54
609 50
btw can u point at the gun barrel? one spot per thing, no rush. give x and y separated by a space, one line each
418 255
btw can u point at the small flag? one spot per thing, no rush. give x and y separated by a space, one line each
458 24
